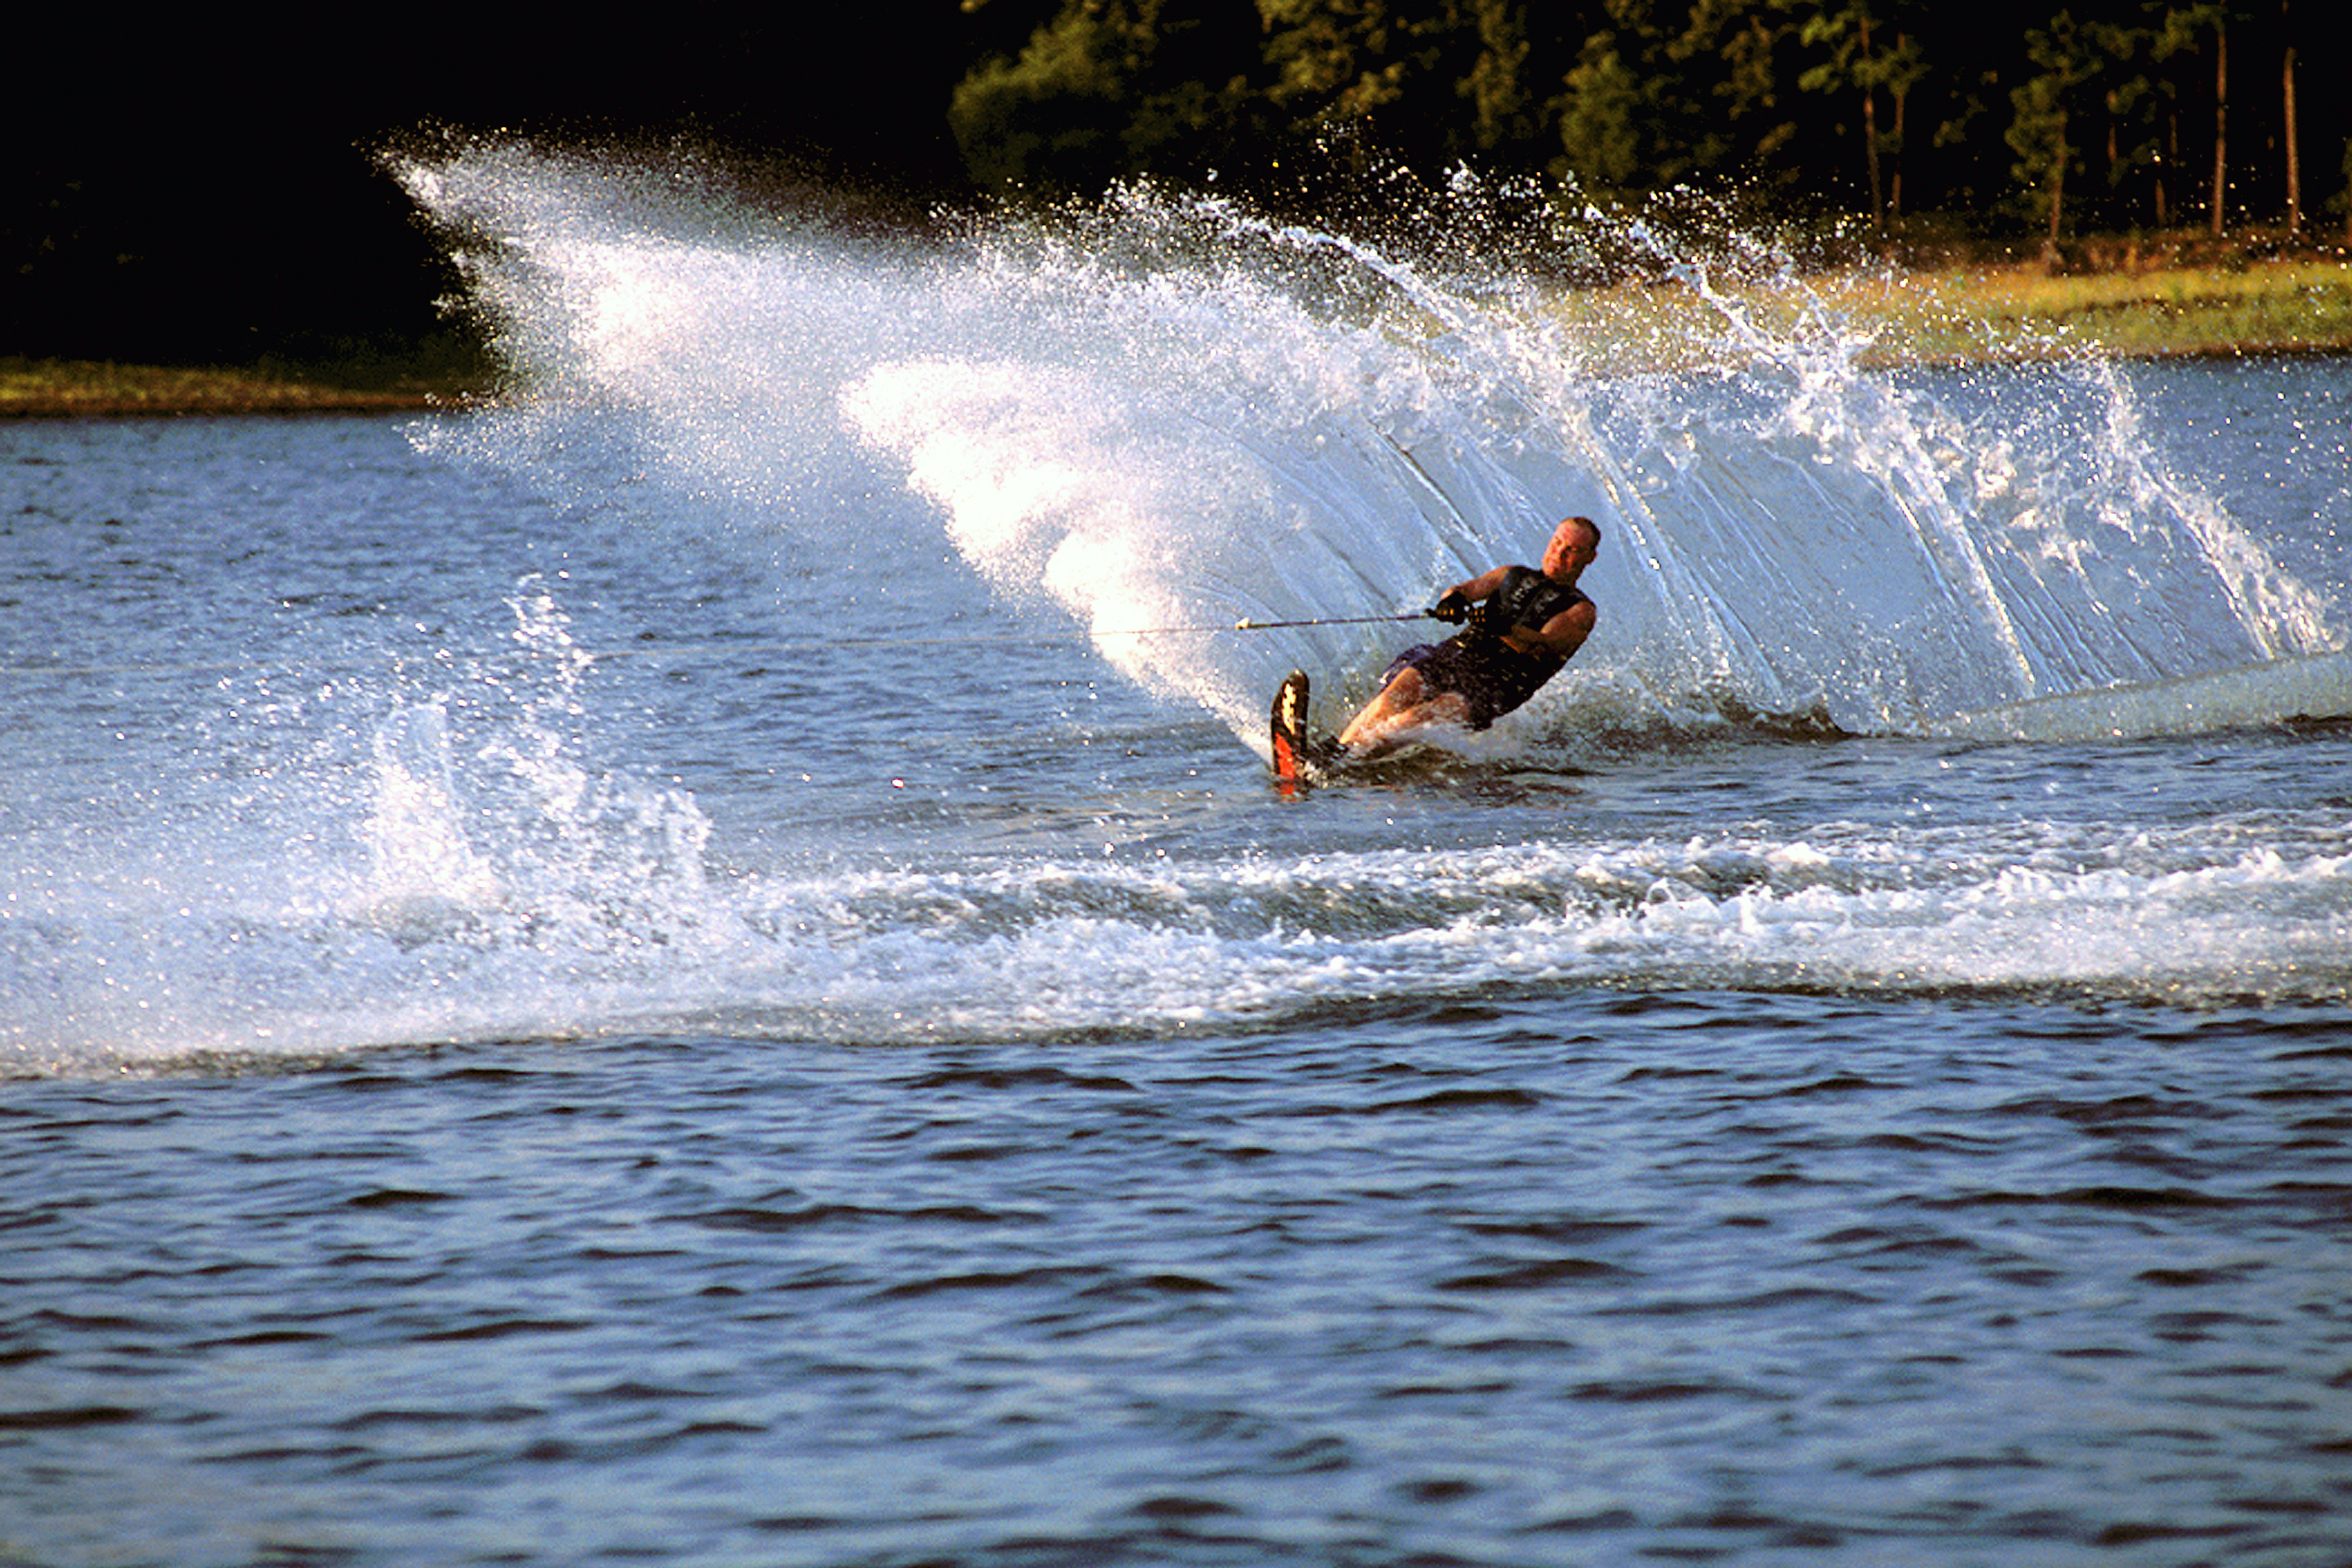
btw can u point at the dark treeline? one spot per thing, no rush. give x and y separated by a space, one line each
202 188
2008 114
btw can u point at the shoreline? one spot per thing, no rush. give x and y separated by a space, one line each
267 401
93 389
1926 316
263 402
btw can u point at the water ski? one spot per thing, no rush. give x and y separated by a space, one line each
1299 760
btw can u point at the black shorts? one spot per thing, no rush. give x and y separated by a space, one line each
1482 670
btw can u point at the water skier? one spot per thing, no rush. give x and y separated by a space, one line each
1522 626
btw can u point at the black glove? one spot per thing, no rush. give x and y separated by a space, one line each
1453 607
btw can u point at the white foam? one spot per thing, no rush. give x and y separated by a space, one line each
1165 411
2317 687
1038 947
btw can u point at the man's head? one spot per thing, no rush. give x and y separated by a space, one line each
1574 545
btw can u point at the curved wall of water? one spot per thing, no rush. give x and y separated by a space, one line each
1166 412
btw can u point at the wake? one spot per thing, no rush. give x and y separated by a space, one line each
1166 410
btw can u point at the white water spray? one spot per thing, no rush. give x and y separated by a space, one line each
1166 410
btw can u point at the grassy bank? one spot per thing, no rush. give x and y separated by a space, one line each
53 388
1950 314
2005 310
2264 307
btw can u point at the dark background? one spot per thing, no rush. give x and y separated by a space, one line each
205 189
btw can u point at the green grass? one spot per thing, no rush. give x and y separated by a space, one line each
51 388
2003 313
2262 307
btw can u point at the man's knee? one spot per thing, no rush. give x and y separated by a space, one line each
1407 690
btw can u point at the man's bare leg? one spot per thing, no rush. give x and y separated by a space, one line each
1404 705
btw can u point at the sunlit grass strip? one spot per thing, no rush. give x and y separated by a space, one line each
68 387
2003 313
2269 306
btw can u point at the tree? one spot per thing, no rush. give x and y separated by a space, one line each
1661 95
1602 119
2220 122
1108 88
2040 127
2294 154
1853 64
1411 68
2174 42
1504 111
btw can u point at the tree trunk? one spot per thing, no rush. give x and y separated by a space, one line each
2057 192
1895 182
2114 157
2220 122
2171 162
1870 139
2294 158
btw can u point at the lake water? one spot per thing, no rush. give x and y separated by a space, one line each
703 967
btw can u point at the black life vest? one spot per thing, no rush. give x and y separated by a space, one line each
1527 598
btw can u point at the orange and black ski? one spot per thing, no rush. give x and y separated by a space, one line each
1299 761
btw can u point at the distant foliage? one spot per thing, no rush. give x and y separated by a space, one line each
2105 114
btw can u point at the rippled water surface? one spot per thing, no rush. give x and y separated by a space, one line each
659 974
1562 1278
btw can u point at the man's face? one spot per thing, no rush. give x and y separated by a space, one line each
1571 550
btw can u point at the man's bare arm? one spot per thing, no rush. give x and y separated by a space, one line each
1561 636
